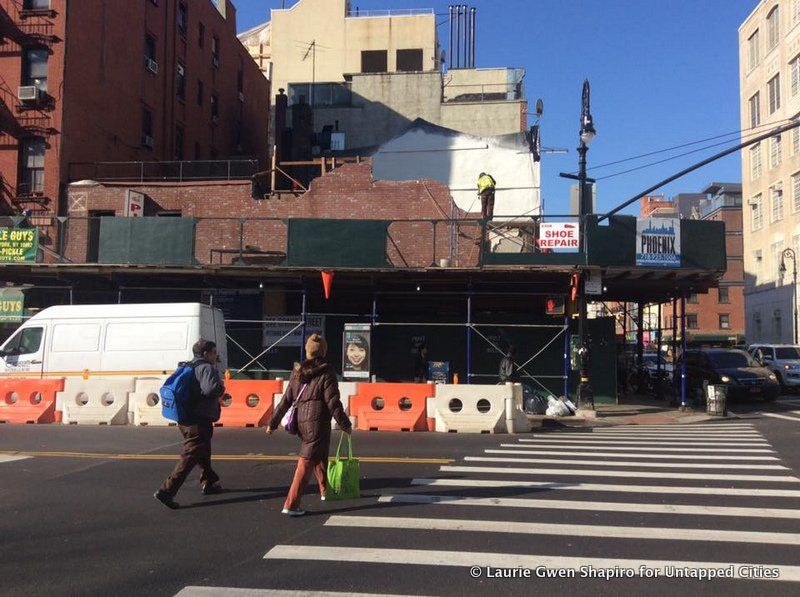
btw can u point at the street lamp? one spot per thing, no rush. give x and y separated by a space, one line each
790 254
585 398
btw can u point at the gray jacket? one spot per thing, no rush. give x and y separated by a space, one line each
208 390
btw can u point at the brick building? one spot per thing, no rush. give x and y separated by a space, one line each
92 81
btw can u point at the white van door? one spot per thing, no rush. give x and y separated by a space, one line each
24 351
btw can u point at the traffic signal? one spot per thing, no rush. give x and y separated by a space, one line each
554 305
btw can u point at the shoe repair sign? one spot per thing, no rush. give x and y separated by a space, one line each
658 242
558 235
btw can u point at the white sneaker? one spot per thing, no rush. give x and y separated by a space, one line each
322 498
293 512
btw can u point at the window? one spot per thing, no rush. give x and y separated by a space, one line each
753 57
774 90
374 61
794 72
777 203
76 337
32 166
34 68
215 51
36 5
214 107
691 321
169 213
181 21
147 127
724 297
776 251
201 35
755 161
724 321
795 139
27 341
180 83
409 60
773 28
758 212
149 47
796 192
179 142
199 92
755 110
795 12
775 151
692 299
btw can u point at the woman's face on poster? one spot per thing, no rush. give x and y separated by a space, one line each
356 355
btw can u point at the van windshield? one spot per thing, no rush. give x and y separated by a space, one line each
732 359
787 352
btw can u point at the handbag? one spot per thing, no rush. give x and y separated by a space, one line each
289 420
344 474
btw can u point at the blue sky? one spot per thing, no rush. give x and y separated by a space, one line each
663 73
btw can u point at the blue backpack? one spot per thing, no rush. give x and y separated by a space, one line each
176 394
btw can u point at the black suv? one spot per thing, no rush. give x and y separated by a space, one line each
736 369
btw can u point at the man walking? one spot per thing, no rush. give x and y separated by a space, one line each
197 429
486 185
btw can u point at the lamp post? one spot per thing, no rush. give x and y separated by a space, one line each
790 254
585 398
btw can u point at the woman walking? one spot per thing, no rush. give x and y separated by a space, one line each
315 392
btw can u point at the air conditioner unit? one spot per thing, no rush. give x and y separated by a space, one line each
215 61
241 96
29 94
151 65
147 141
215 120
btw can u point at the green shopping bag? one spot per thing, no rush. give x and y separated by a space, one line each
343 474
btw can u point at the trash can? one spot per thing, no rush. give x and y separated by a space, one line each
717 400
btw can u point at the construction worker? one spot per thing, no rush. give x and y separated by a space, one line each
486 185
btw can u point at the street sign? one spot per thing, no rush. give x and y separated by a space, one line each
593 282
558 235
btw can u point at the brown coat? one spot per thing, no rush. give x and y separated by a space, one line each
318 403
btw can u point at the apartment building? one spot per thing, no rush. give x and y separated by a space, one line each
769 74
95 81
367 75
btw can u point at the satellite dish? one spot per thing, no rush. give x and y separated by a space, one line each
539 108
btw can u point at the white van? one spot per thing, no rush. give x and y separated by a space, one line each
146 339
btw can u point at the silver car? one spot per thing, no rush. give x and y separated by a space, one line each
782 359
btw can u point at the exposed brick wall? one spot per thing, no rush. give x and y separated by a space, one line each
348 192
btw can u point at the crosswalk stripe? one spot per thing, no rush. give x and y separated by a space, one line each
777 416
720 426
539 444
11 458
616 455
698 436
427 557
559 460
571 530
626 507
615 442
234 592
792 401
611 473
665 489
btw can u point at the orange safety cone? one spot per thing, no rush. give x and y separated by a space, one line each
327 280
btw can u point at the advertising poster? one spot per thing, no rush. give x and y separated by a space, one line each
12 305
280 325
18 245
356 346
658 242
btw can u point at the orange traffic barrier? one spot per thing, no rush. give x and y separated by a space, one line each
391 406
29 400
248 403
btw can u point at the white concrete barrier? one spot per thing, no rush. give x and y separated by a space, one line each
96 401
346 389
145 402
472 408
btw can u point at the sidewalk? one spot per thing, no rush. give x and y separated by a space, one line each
633 410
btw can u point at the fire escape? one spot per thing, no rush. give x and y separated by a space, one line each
26 111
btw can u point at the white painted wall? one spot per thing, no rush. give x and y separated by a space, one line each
456 159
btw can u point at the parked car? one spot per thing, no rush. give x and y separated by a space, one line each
782 359
744 377
651 366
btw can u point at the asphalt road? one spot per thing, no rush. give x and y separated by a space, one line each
78 518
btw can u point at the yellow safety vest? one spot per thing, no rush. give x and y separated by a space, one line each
485 182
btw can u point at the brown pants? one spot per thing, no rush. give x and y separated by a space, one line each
196 452
301 476
487 204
